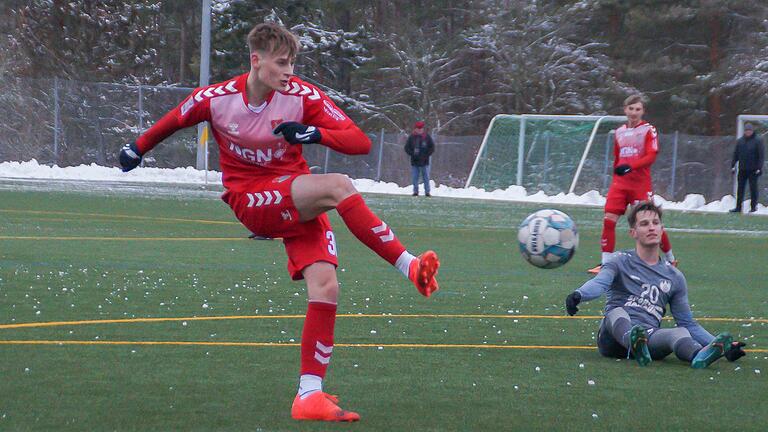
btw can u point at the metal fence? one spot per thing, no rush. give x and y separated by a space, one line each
69 123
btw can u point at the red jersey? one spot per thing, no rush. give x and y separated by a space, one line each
248 149
636 147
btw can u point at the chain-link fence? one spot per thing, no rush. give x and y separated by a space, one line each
69 123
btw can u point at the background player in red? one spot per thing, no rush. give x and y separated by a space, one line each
635 147
260 121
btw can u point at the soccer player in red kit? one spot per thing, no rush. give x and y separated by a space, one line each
635 147
260 121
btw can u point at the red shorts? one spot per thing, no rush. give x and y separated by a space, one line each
619 198
266 209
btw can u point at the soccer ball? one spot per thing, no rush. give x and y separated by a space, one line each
548 238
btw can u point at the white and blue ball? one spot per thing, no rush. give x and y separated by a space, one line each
548 238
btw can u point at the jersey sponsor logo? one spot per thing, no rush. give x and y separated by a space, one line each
258 156
187 106
302 90
233 128
210 92
264 198
646 305
332 111
628 152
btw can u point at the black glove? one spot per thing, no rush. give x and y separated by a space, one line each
736 352
297 133
130 157
622 169
571 302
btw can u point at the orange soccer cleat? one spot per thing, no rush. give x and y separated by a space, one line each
422 273
321 406
595 270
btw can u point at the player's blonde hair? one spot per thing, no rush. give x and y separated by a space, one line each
274 39
633 99
642 206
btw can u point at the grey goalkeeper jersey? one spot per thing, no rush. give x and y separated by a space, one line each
644 291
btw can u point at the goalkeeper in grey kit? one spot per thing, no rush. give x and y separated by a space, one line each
639 286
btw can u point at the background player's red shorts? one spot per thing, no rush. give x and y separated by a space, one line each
266 209
619 198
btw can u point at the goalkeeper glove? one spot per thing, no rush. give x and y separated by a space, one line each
735 352
622 169
130 157
571 302
297 133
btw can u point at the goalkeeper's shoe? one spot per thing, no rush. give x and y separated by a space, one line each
422 273
595 270
321 406
638 343
713 351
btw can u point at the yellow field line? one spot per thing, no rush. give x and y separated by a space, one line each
255 317
277 344
117 216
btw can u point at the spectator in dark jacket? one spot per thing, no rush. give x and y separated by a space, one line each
750 154
420 147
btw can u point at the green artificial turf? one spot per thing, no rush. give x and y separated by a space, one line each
471 362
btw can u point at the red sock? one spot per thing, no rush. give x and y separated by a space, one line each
608 241
666 246
369 229
317 338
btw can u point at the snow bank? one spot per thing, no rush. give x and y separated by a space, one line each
189 175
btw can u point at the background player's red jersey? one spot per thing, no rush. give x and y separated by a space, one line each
636 147
248 149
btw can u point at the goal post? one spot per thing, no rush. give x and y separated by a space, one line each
543 152
760 120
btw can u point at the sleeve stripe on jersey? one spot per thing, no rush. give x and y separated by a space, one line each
230 87
302 90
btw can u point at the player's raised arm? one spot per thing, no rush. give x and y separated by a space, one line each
193 110
592 289
323 123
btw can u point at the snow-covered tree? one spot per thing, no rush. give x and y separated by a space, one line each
537 63
94 40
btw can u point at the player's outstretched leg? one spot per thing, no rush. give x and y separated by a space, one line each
380 238
315 194
638 343
713 351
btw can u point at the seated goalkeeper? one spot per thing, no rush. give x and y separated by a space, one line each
639 286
